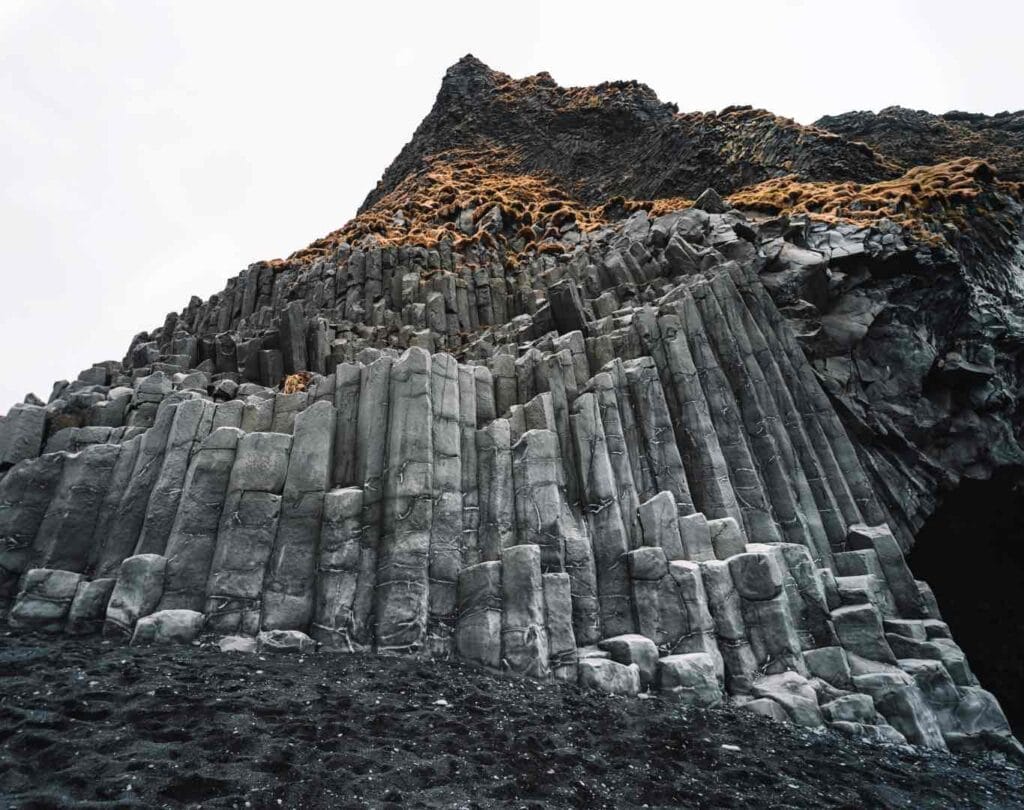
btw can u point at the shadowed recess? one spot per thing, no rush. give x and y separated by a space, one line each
970 552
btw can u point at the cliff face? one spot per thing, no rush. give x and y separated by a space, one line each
918 138
546 391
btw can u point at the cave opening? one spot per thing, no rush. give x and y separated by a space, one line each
971 552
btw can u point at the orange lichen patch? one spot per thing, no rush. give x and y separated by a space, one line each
295 383
667 205
483 186
914 200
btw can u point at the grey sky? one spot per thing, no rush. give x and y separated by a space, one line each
149 150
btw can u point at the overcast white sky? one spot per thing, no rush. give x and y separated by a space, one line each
149 150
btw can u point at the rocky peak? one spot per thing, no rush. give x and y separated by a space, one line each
619 139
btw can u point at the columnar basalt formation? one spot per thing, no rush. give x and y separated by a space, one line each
606 451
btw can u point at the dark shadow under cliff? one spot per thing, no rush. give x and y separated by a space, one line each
971 552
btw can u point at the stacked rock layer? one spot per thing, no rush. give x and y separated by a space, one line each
618 469
514 413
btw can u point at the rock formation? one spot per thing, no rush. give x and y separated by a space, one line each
535 408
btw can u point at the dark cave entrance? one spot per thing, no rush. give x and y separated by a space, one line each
971 552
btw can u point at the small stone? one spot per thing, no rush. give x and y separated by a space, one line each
284 641
239 644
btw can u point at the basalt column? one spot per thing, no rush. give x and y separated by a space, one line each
245 537
402 567
607 530
371 455
289 584
193 537
447 509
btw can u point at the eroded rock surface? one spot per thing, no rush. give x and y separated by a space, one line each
499 416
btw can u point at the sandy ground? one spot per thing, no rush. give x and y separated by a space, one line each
95 724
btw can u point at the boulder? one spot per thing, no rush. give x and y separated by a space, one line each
850 708
609 676
692 677
979 718
176 626
794 693
898 699
766 707
632 648
45 598
140 584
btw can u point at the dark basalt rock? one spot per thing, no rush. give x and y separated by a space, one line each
918 138
583 430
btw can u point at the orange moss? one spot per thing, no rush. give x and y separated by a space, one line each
917 199
426 207
297 382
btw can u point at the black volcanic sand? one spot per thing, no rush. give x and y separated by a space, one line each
94 724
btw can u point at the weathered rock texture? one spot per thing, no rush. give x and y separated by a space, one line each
639 446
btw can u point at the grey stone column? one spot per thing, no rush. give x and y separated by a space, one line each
558 625
470 544
192 423
497 527
289 584
539 500
607 530
346 402
727 612
120 478
706 467
371 458
618 454
25 493
524 642
65 536
446 527
506 392
478 631
659 439
127 520
193 537
486 408
337 574
776 388
246 534
402 579
746 483
554 370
